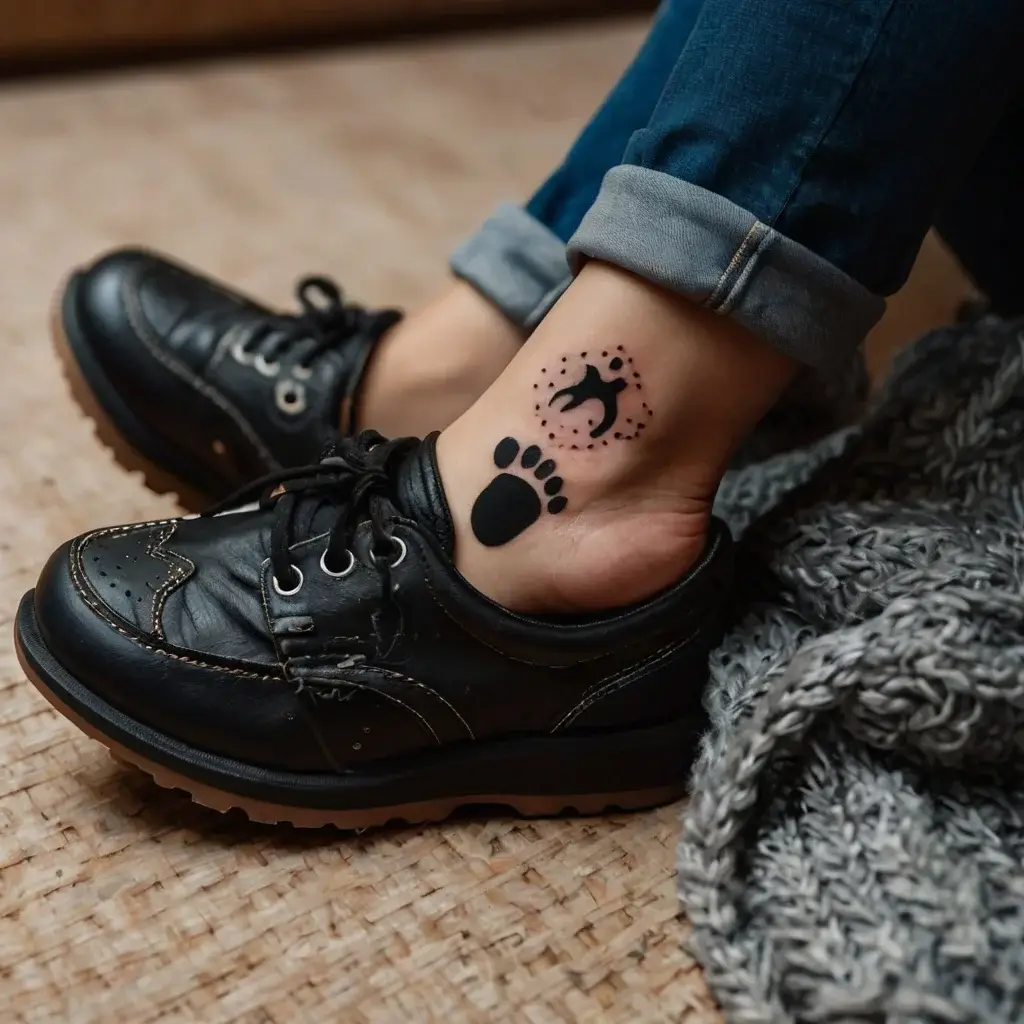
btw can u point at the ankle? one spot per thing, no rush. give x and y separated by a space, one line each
431 367
600 558
584 478
561 530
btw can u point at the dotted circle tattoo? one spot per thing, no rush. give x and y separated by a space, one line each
604 387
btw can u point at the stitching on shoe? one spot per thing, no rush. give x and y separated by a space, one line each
398 676
225 343
606 687
309 540
270 622
141 327
522 661
695 573
333 686
83 589
329 652
429 689
154 549
480 640
310 720
157 550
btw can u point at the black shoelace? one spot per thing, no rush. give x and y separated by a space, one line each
325 322
357 476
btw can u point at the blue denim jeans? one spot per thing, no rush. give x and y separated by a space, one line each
781 163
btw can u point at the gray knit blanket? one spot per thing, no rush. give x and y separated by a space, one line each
854 850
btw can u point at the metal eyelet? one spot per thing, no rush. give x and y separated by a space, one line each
344 572
267 369
402 552
240 354
295 589
290 397
300 372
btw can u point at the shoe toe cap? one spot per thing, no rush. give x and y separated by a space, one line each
99 300
244 712
134 309
131 571
80 631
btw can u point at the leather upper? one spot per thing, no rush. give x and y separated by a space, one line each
180 625
173 344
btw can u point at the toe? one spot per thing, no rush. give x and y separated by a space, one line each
531 457
505 452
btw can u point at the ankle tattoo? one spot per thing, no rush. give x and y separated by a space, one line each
581 399
511 503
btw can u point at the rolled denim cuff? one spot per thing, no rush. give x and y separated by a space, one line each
697 243
516 263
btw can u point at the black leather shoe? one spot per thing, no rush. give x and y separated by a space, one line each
202 388
316 658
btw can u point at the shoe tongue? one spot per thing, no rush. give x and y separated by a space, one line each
420 493
313 518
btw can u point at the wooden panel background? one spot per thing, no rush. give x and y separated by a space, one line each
73 29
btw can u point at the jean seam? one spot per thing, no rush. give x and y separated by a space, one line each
701 245
835 117
734 272
765 239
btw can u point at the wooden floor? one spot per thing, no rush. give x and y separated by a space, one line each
122 903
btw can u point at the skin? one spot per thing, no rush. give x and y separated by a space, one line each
637 504
435 364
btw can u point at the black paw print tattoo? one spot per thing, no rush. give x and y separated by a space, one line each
511 503
601 379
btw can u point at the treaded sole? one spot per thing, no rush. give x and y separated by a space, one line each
412 813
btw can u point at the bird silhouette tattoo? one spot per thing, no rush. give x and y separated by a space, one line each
594 386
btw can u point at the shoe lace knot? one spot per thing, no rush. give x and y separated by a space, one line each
357 477
325 322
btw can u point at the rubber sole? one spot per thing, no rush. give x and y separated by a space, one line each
134 446
535 776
